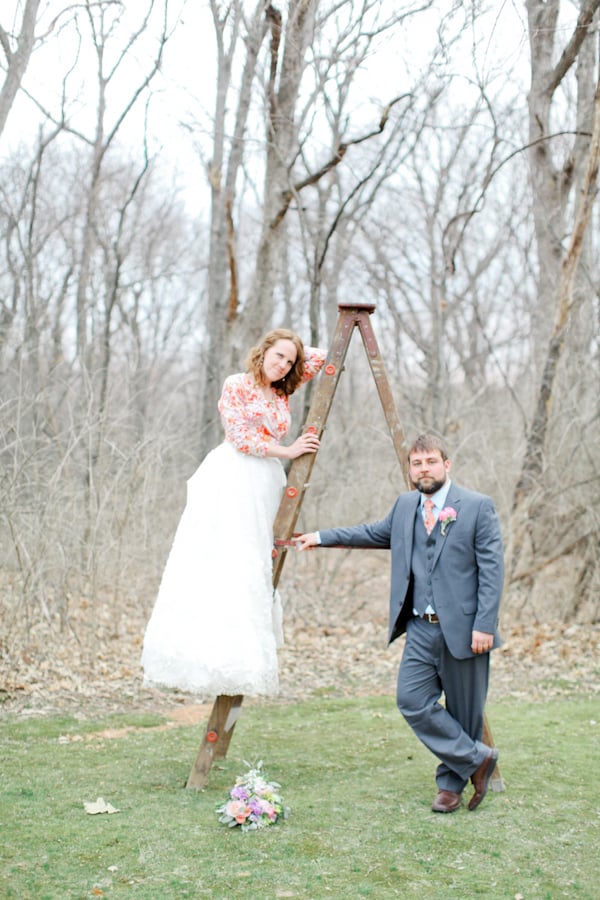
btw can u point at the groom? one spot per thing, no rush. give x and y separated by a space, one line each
447 576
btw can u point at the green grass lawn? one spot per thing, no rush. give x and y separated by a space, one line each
359 787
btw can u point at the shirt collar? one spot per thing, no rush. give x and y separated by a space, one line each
439 498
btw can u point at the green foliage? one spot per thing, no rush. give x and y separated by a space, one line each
360 789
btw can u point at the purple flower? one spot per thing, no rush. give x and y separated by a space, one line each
239 792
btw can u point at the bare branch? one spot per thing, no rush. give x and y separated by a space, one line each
542 564
467 215
335 160
18 59
570 52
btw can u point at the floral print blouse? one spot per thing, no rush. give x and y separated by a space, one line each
251 421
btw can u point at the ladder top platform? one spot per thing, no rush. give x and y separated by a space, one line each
367 307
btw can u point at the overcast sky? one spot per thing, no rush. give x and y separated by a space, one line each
184 90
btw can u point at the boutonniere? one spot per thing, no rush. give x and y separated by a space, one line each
446 517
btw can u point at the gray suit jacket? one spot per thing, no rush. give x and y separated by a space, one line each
468 567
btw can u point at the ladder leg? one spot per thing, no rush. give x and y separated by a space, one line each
496 781
219 730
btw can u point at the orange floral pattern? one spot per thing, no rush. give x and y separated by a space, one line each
251 421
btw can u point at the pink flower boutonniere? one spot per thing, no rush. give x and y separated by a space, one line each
446 517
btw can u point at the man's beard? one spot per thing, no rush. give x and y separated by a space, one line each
432 486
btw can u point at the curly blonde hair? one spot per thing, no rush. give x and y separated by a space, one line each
254 364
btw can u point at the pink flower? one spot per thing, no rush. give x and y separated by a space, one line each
446 517
237 810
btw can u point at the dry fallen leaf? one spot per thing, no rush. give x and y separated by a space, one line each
100 806
537 662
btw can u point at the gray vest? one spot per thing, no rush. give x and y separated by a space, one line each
422 563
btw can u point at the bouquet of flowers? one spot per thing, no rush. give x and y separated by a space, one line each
253 802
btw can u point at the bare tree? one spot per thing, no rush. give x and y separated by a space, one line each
50 440
17 49
227 159
557 160
560 220
103 19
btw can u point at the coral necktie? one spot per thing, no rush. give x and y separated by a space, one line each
429 517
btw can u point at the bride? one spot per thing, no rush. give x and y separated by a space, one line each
216 623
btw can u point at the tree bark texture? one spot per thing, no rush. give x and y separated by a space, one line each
17 59
550 197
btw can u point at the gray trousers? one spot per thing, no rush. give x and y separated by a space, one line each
451 732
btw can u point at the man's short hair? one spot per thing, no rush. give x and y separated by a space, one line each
427 441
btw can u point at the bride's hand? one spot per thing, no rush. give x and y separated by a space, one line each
306 443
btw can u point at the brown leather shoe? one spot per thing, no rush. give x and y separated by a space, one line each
446 802
481 778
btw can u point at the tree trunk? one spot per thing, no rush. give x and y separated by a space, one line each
530 480
223 298
282 144
551 182
17 60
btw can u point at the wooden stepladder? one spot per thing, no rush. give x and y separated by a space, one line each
226 709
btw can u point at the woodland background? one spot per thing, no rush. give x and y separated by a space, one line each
176 178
